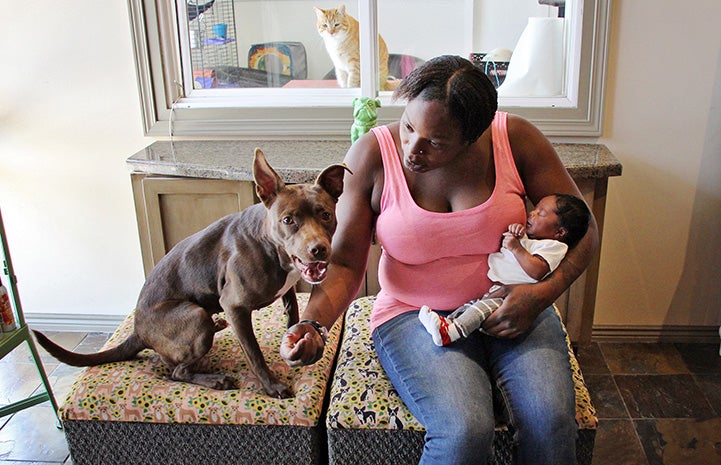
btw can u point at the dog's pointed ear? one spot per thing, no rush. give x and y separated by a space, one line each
331 179
267 181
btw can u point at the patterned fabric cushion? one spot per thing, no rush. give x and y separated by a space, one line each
362 397
141 391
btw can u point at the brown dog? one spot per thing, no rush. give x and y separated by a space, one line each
238 264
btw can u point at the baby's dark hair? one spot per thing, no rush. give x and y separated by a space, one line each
573 214
465 89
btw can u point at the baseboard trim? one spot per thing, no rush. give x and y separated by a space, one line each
700 334
109 323
71 322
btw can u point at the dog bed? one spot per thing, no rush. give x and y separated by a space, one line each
131 412
366 414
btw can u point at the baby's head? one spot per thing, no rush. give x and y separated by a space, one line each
561 217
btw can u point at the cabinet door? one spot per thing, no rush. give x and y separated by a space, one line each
171 209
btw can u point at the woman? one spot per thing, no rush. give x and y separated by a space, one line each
439 188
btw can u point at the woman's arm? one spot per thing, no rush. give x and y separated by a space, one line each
301 344
542 173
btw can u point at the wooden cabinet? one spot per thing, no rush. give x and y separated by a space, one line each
172 208
169 209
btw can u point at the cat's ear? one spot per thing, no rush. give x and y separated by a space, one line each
341 10
318 12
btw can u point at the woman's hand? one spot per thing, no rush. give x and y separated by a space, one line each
302 344
522 303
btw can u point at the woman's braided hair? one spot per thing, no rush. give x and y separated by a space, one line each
465 89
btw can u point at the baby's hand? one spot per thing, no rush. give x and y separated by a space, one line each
517 229
511 242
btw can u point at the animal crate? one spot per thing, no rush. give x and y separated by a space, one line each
212 38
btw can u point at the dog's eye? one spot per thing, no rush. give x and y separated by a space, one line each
287 220
325 216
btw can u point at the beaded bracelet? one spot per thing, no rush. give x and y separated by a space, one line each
318 327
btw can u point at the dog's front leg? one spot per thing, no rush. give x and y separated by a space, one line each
242 324
290 303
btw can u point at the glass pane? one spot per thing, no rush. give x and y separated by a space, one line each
488 32
416 31
259 43
531 43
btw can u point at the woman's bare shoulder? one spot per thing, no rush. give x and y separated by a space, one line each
364 159
521 131
364 156
539 165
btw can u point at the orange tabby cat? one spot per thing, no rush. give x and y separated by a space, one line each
339 31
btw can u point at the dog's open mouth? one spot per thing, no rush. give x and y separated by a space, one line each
313 272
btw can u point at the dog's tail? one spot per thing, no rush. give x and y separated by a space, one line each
126 350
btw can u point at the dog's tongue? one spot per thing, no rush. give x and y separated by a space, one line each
315 272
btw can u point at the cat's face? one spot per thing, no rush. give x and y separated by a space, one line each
332 23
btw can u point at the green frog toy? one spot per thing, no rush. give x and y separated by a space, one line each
365 116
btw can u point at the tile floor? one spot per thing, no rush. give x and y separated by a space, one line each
31 436
657 403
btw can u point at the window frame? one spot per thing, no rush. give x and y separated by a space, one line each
166 112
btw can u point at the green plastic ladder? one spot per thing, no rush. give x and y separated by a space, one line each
11 339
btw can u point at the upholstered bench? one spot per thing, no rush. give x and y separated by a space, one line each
132 413
369 424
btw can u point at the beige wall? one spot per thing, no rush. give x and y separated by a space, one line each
69 117
661 260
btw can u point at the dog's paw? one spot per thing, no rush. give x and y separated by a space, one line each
214 381
220 324
278 390
224 383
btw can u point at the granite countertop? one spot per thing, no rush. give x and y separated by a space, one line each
301 160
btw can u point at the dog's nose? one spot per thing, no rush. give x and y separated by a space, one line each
319 252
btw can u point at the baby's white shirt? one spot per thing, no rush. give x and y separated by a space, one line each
505 269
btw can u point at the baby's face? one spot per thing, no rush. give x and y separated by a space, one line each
542 222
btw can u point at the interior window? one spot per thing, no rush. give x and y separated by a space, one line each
225 67
316 44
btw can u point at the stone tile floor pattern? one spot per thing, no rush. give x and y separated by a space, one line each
658 404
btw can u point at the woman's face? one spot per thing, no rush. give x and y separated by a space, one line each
430 137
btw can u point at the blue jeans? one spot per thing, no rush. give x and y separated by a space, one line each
448 389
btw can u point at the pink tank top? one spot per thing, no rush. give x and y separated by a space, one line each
440 259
